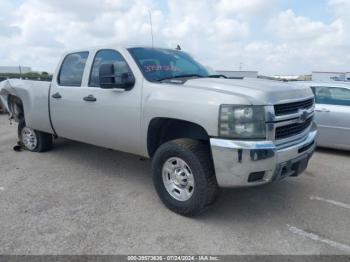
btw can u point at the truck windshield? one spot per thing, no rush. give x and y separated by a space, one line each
160 64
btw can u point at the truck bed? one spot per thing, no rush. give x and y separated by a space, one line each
34 95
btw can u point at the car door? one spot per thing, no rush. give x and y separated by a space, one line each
333 116
65 97
103 117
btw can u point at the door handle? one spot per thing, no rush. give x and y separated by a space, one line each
56 95
89 98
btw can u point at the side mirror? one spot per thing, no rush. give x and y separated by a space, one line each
109 79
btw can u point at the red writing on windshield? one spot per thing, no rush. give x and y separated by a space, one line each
150 68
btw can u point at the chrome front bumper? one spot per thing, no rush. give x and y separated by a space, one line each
247 163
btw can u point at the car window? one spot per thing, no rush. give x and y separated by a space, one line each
72 69
108 57
332 95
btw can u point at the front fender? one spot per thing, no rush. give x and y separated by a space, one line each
200 107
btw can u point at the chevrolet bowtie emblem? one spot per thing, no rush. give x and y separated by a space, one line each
303 115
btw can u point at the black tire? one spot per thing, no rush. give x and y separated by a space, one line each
198 156
44 140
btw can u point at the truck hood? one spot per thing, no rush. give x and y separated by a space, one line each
256 91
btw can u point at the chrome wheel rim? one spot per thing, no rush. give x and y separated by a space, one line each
29 138
178 179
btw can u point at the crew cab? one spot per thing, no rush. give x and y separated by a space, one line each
203 132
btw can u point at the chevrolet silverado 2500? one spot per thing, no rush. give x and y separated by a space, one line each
203 132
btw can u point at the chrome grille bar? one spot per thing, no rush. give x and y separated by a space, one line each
294 107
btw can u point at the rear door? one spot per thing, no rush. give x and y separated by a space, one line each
66 106
333 116
103 117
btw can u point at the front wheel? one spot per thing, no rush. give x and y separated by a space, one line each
33 140
184 177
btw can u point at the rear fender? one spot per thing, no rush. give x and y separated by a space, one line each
28 99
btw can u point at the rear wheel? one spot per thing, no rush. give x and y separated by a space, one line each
33 140
184 176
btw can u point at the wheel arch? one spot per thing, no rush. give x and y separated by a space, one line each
15 105
161 130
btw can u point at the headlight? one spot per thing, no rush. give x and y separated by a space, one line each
242 122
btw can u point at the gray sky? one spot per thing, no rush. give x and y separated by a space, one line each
271 36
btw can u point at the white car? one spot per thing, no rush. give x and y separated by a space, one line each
332 113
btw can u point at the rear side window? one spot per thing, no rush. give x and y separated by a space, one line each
332 95
72 69
107 57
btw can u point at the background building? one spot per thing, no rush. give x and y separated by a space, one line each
292 77
235 74
327 76
15 69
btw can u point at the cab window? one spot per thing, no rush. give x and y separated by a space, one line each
72 69
332 95
107 57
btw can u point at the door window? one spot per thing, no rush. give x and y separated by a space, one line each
332 95
72 69
108 57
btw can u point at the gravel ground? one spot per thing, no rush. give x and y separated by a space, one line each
82 199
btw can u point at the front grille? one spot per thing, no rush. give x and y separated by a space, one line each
292 129
291 108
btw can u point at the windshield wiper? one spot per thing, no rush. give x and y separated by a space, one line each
217 76
180 76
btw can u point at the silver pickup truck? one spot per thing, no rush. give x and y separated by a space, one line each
203 132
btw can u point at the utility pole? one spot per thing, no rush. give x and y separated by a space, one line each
20 71
240 66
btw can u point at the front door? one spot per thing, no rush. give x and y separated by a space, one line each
333 116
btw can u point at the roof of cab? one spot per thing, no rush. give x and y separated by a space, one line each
115 47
